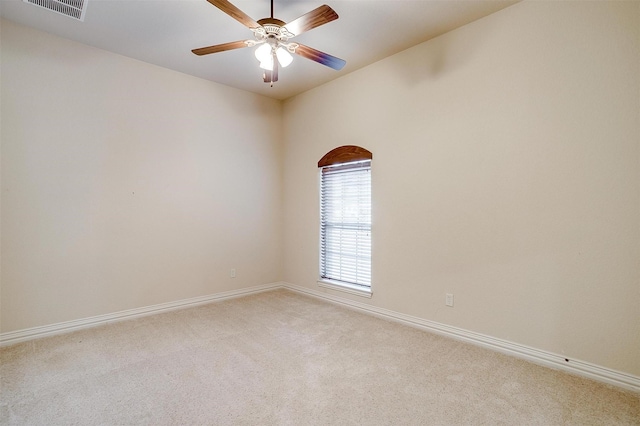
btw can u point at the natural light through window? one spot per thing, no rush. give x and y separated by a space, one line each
345 222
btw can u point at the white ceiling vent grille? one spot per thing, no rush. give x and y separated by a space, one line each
72 8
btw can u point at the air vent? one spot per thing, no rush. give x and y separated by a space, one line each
72 8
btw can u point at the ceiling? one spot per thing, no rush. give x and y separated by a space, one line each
163 32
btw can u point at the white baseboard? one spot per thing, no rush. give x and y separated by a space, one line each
537 356
559 362
18 336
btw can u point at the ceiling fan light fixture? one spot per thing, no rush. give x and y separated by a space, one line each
268 64
272 38
284 57
263 53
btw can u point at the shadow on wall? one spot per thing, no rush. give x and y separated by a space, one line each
437 57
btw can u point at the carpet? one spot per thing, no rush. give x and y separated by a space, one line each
281 358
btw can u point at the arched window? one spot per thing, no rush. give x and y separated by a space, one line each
345 219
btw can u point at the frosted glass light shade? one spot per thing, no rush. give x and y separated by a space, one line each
263 52
267 64
284 57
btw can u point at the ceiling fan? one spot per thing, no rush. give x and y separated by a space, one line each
272 35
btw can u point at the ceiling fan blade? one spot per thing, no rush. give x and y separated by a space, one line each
274 75
271 76
220 48
319 16
235 13
320 57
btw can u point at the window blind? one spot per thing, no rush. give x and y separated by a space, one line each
345 223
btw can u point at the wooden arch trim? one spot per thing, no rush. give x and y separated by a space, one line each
345 154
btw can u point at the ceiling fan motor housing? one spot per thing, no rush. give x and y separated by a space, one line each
274 27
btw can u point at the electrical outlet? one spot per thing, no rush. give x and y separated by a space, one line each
448 300
233 273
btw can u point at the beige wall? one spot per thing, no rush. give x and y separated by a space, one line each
506 170
126 185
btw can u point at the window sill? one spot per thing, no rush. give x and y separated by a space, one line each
347 288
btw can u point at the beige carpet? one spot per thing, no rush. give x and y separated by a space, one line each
283 358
